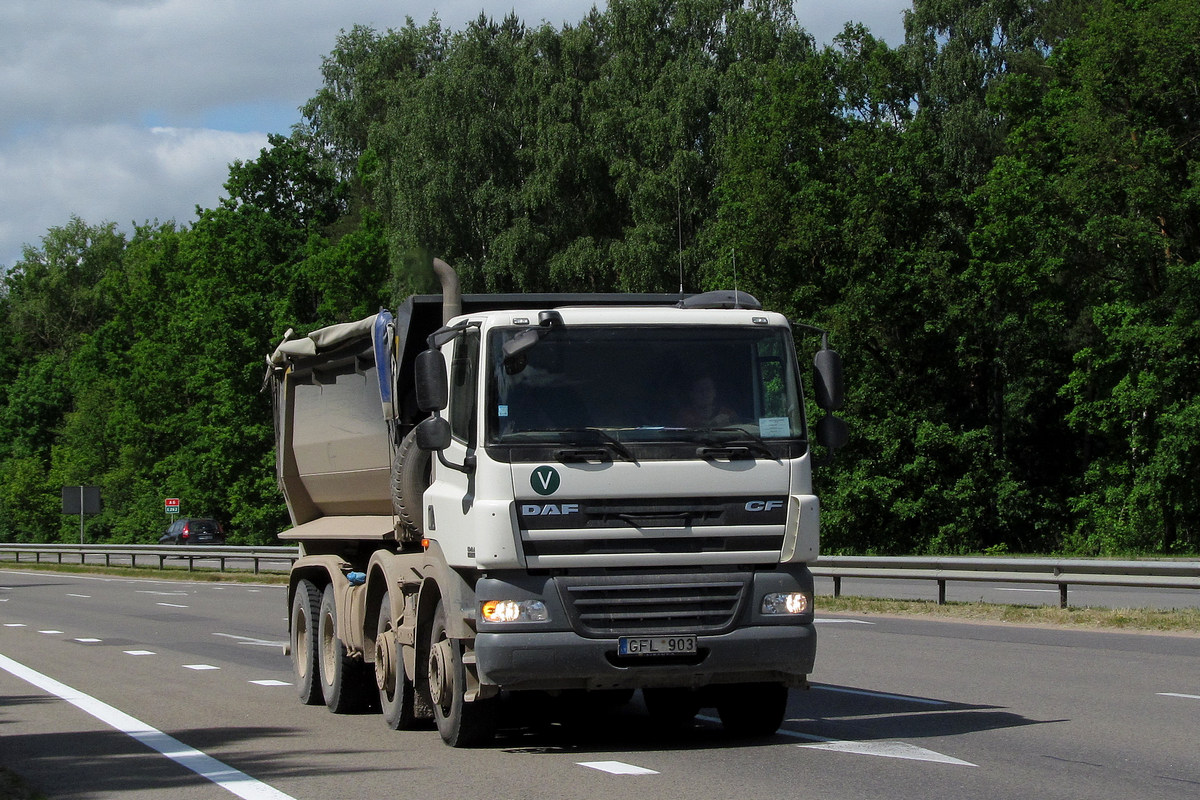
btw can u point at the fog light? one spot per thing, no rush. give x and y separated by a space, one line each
786 603
514 611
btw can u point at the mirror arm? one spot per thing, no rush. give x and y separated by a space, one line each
467 467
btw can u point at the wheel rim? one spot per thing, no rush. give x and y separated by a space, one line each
440 691
300 645
327 639
385 670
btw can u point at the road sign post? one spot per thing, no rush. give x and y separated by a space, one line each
81 500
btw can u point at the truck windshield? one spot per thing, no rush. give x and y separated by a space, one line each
642 384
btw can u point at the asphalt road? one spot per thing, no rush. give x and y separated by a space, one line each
134 688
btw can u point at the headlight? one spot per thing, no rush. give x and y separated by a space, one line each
786 603
514 611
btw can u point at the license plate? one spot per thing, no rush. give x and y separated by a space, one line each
656 645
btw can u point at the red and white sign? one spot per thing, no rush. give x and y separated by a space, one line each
171 505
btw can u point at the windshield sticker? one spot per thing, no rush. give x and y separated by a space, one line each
545 480
502 410
774 427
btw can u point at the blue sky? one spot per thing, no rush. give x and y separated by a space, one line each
131 110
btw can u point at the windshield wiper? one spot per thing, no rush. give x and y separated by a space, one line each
606 438
755 442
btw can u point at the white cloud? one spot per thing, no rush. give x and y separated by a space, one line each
109 105
113 173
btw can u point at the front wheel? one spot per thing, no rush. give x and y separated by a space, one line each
460 723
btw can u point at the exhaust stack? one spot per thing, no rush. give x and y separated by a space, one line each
451 295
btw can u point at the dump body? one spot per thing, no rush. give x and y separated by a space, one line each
612 492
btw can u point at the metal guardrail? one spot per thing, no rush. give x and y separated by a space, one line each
162 553
1060 572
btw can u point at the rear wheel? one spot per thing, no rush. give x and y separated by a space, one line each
306 609
752 709
395 689
460 723
342 678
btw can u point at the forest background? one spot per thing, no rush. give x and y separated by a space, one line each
998 221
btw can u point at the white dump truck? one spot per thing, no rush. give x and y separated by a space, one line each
574 494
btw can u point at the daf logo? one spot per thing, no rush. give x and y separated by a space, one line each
764 505
548 510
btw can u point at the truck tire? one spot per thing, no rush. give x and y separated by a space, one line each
673 708
396 693
306 609
460 723
752 709
342 677
410 479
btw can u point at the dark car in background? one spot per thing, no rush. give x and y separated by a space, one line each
194 530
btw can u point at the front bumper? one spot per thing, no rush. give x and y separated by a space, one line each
564 660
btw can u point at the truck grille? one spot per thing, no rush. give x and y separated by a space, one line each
611 605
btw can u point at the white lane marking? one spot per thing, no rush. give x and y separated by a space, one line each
880 695
616 768
889 749
171 605
140 653
225 776
49 631
3 599
903 750
1176 694
251 640
842 621
271 682
161 594
199 666
14 624
88 640
84 596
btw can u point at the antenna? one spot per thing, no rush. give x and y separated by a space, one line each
737 300
679 225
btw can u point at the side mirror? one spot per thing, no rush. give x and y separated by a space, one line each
433 434
433 389
827 379
832 432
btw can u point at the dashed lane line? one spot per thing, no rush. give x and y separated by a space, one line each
888 749
204 765
251 640
616 768
1177 694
